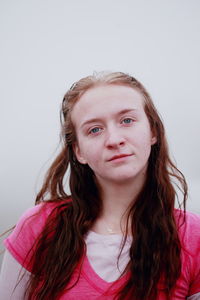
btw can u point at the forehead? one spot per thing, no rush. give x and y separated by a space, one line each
106 99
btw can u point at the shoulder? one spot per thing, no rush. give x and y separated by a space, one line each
33 219
188 224
187 221
21 241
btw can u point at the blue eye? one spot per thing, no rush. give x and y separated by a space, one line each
95 130
127 121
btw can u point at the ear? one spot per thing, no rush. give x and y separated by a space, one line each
78 154
153 140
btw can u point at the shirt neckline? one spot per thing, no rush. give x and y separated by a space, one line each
99 283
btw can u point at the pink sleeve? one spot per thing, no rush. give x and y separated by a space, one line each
20 242
190 235
194 247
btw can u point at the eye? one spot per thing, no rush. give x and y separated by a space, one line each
95 130
127 121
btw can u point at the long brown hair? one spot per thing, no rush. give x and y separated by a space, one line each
155 252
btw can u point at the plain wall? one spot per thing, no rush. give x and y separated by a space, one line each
47 45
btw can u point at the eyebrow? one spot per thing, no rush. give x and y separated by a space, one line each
122 112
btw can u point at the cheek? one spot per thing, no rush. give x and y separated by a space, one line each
93 158
144 141
91 155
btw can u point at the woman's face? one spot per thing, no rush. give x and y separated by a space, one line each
113 133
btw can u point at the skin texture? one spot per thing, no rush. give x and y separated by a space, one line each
105 130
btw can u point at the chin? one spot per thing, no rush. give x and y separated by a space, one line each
131 177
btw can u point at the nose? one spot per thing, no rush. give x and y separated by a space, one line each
114 138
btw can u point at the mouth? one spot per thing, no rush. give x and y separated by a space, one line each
118 157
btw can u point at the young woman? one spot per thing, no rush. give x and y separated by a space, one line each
118 235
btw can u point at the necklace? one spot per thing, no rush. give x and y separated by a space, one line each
109 229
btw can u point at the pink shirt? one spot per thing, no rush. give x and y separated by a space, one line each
90 284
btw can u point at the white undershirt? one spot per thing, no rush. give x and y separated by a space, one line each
102 253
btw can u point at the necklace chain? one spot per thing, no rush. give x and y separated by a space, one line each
109 229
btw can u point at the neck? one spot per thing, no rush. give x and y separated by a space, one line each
116 199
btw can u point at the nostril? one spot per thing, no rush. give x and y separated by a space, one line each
113 143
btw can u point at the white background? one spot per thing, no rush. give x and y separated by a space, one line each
46 45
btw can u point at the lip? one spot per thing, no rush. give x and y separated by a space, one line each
120 156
